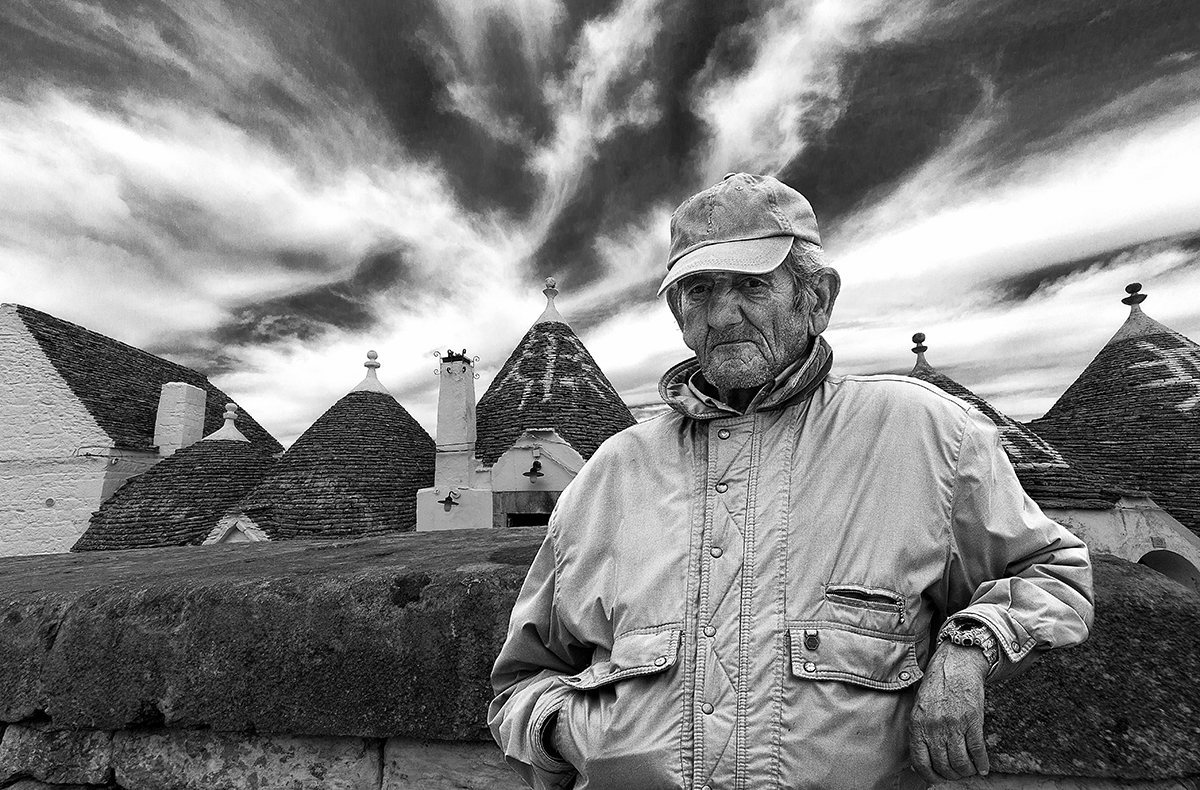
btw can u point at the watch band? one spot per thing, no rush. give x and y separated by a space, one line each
969 633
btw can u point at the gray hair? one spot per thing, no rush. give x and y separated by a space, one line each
805 262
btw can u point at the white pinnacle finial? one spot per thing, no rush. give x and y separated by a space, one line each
550 314
371 383
228 431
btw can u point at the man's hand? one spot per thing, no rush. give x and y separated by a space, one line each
554 739
946 735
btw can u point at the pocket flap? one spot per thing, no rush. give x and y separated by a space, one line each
822 650
632 655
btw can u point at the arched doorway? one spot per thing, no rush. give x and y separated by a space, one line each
1173 566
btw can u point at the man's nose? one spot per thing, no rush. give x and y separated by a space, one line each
725 309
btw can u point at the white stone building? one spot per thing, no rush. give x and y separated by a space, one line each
81 413
503 462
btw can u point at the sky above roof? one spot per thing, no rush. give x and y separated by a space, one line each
264 190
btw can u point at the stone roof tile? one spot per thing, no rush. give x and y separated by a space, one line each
119 385
354 472
1046 475
178 500
549 381
1133 415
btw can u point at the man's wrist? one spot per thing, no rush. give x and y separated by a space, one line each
972 634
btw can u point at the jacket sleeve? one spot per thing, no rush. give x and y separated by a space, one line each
1026 577
527 677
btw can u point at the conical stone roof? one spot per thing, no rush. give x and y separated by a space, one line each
1045 474
120 385
549 381
354 472
1134 413
179 500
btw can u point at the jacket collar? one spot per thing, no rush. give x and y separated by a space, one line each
684 389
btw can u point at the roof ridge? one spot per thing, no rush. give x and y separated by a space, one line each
119 384
107 338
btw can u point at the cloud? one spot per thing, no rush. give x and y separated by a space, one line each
266 190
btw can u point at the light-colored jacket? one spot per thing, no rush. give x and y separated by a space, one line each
727 602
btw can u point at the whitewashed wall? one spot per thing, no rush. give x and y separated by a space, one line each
56 463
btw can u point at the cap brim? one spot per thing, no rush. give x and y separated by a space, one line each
744 256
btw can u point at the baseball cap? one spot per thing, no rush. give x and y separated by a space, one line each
744 223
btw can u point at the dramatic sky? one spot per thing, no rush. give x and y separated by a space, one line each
265 189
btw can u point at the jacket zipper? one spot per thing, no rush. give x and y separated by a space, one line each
868 599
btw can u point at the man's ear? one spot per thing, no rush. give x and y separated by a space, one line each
827 287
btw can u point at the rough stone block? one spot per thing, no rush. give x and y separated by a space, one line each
441 765
33 784
57 756
378 638
201 760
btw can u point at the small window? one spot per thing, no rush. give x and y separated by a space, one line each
528 519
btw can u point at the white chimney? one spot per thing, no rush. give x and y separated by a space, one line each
180 419
455 457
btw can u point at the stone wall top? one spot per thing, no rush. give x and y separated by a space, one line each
395 637
376 638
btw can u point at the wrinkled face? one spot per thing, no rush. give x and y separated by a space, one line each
743 328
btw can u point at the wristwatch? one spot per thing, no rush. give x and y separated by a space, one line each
971 633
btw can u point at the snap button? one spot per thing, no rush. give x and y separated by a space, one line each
710 631
722 488
706 708
905 675
1016 645
658 662
723 433
716 551
810 666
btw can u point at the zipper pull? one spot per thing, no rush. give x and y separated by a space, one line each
900 607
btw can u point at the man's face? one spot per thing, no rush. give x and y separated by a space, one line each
743 328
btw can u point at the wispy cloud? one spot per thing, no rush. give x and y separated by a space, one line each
267 190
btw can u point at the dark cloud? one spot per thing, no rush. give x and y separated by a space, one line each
63 44
639 167
400 51
1046 68
347 304
1021 287
901 101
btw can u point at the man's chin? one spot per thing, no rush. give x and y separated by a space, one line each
728 377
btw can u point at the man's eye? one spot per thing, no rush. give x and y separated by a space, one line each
697 291
754 284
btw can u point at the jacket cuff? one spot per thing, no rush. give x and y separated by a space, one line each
544 711
1015 644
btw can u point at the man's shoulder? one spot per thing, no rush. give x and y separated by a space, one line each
896 392
648 432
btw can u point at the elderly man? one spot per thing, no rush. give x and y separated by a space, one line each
794 580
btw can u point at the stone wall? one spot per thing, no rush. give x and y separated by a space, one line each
365 664
56 464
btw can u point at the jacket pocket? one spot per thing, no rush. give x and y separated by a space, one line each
623 718
632 655
824 650
878 599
